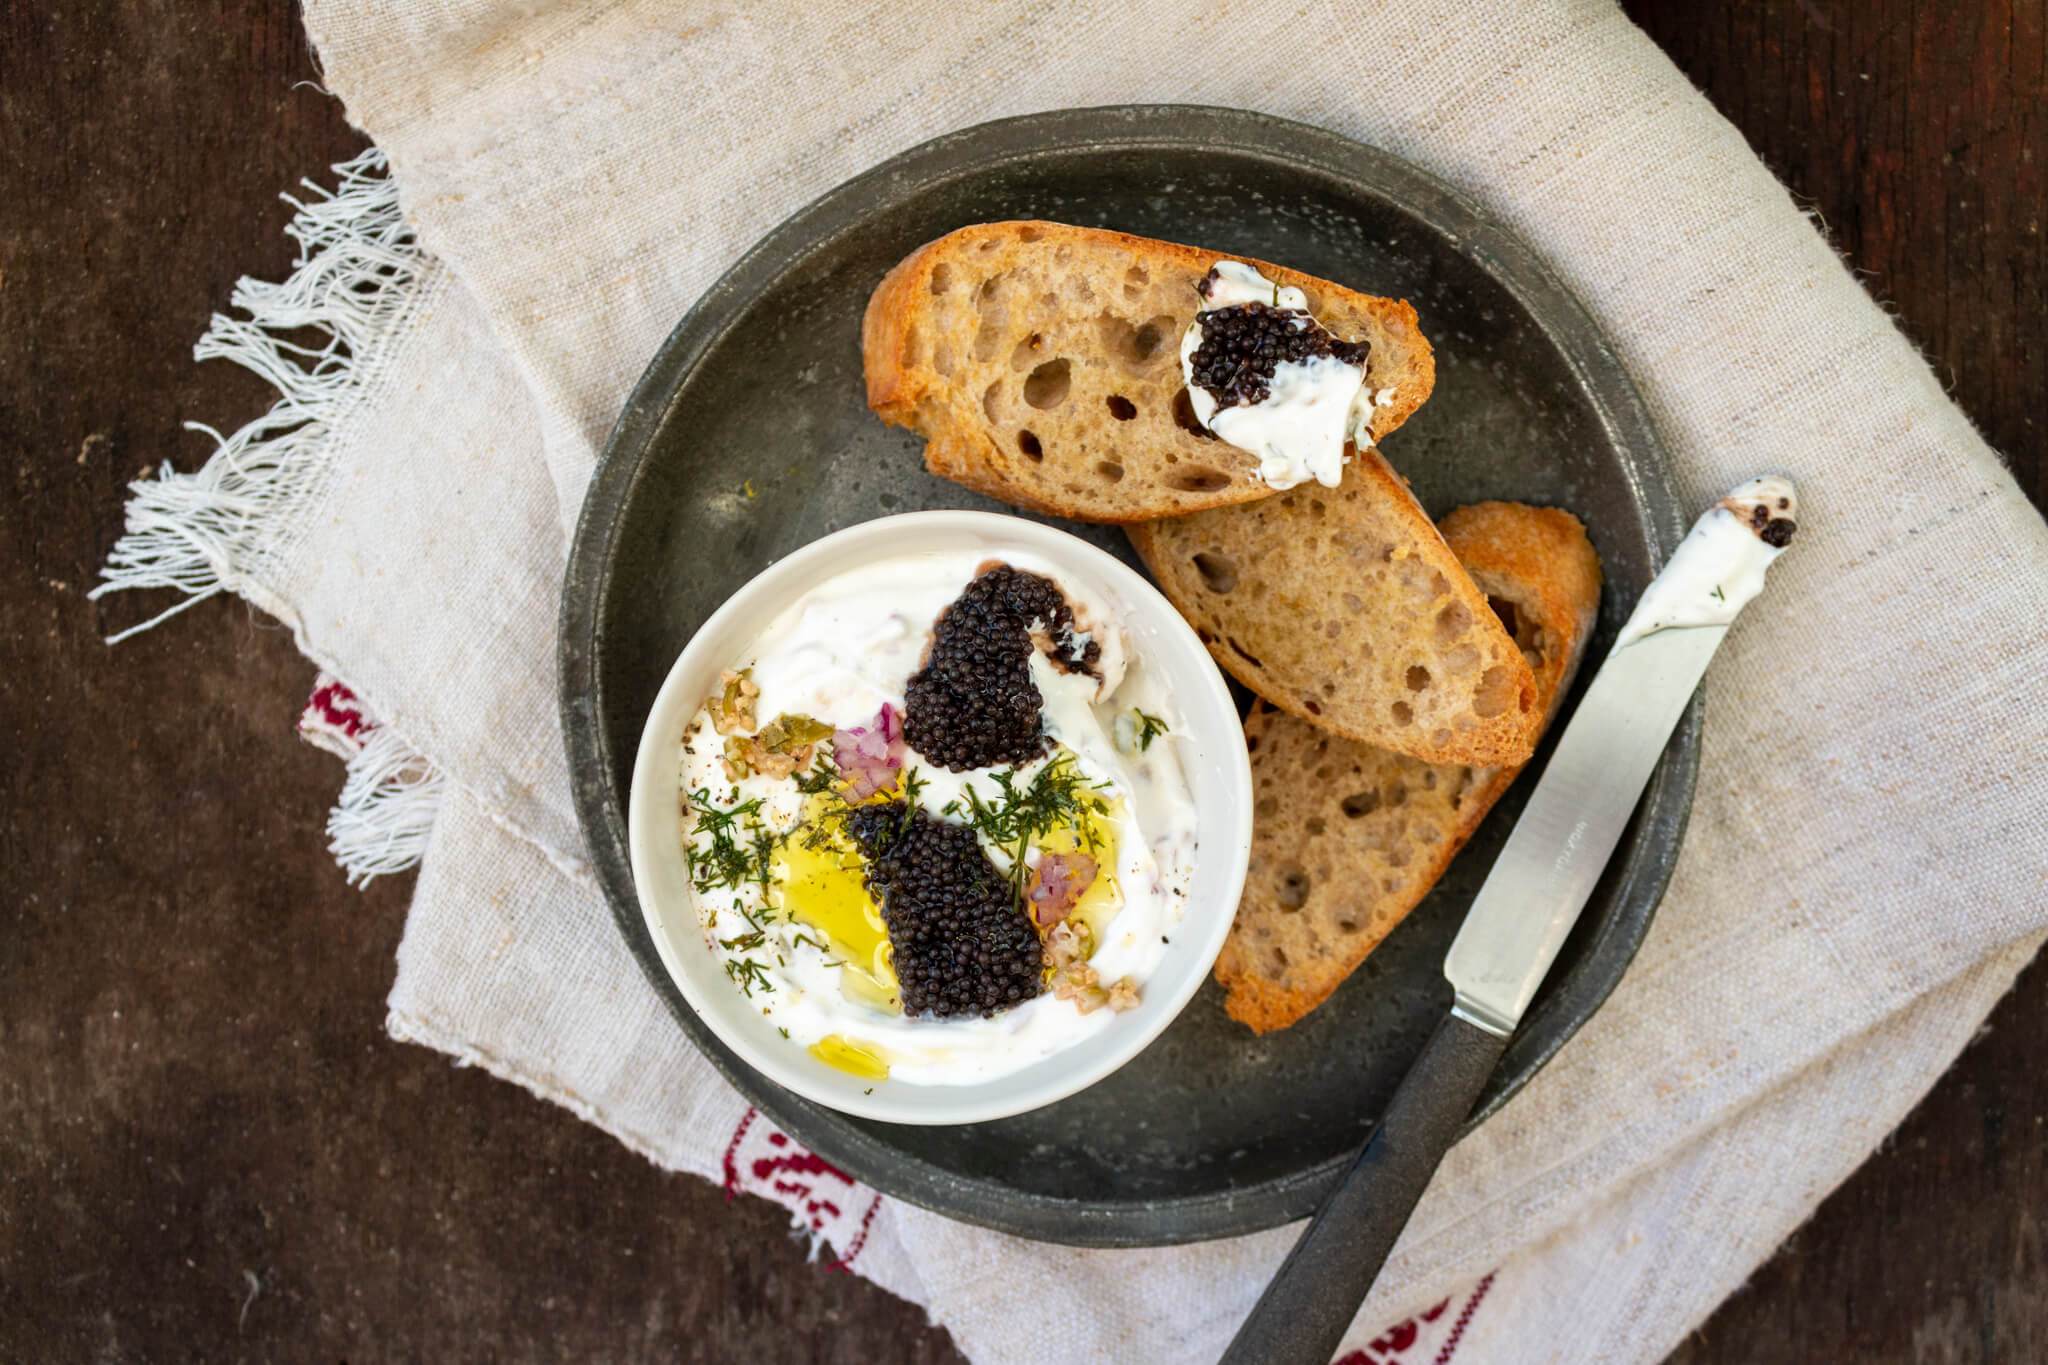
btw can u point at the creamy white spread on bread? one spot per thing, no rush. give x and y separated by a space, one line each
800 932
1719 566
1300 429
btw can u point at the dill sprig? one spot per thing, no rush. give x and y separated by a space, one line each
1058 795
1150 727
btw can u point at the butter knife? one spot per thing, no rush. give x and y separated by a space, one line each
1522 914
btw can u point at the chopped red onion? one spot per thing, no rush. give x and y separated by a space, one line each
1057 885
869 755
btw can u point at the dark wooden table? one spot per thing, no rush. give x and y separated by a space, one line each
207 1145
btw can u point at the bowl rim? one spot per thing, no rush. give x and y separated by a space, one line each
1643 869
652 821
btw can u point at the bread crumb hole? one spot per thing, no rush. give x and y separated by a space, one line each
1122 408
1496 691
1110 470
1267 807
1349 926
1027 350
1135 280
1046 386
1029 233
1353 603
1279 957
1027 441
1145 342
1418 677
1184 417
1197 479
988 246
942 278
991 399
1242 652
1293 892
1453 621
989 335
1218 570
1404 714
1398 797
1329 689
1312 706
1360 804
1315 825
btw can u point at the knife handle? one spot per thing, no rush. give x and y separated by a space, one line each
1313 1297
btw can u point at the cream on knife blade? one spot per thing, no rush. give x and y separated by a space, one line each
934 822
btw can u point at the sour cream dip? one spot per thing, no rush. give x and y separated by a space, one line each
786 901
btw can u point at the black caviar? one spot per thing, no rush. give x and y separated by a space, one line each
1775 532
1243 344
973 704
962 941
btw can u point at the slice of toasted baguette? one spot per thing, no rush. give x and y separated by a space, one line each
1041 363
1347 838
1345 607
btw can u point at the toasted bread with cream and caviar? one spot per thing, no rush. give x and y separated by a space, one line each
1041 363
1347 837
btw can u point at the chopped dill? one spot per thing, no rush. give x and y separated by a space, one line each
806 938
1150 727
1719 596
740 847
821 777
744 943
747 974
781 1030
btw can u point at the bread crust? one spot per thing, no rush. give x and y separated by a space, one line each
1389 824
925 369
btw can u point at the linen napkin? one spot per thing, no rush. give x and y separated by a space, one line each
1867 865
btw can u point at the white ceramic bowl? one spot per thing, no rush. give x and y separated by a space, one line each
1211 751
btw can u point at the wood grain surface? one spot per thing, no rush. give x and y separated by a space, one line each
208 1147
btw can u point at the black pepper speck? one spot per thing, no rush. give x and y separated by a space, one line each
962 941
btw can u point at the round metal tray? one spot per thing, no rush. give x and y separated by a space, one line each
749 436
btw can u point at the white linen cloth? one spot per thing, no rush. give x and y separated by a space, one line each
1867 864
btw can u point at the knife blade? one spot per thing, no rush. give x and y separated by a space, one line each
1546 871
1523 913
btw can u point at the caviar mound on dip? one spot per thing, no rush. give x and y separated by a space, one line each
935 825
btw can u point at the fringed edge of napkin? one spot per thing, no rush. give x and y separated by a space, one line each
391 797
219 527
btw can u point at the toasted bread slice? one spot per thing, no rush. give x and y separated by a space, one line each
1347 838
1345 607
1041 363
